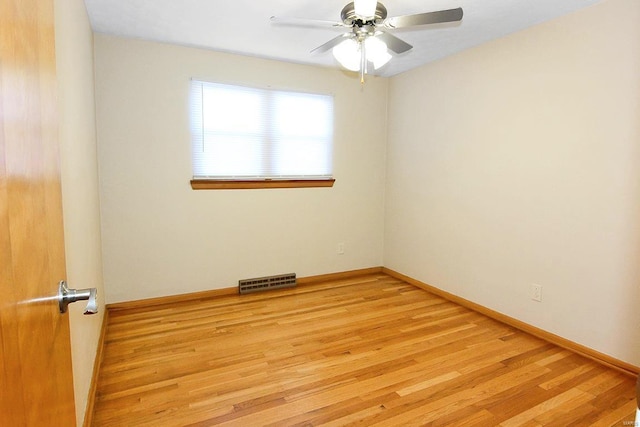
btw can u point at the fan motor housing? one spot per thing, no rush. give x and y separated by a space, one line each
349 17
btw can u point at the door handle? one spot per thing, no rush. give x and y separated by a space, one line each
66 296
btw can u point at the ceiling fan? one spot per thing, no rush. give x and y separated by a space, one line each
368 39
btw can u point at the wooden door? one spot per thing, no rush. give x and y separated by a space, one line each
36 386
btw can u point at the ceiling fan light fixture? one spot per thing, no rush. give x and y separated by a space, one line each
347 54
365 8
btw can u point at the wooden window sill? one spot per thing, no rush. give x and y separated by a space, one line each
213 184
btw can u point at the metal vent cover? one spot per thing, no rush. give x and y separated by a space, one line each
259 284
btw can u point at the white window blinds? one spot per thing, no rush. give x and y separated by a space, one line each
247 133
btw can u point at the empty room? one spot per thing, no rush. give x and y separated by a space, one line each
320 213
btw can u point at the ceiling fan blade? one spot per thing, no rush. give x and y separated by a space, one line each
449 15
331 43
306 23
394 43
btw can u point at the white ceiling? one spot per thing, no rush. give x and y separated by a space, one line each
244 27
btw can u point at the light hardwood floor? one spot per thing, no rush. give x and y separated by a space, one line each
370 350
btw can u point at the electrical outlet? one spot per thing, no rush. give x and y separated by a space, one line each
536 292
340 248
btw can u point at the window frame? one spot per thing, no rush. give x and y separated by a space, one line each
258 182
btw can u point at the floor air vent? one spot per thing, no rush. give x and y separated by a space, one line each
247 286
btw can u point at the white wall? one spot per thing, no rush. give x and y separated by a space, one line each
79 173
160 237
518 162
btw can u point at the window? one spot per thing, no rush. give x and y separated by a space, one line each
250 138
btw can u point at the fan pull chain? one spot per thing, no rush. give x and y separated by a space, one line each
363 62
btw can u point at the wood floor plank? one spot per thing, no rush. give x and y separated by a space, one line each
368 350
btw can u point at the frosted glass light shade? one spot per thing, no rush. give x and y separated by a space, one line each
348 54
365 8
376 51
